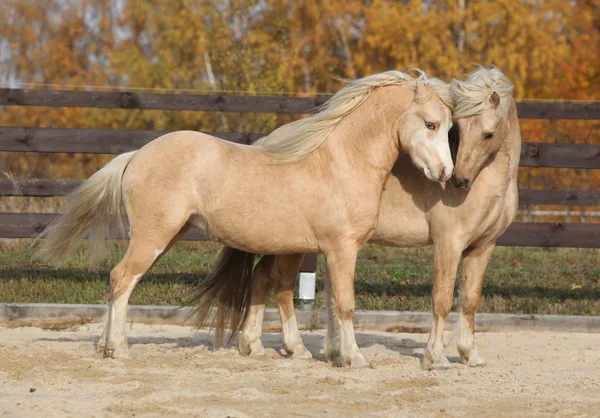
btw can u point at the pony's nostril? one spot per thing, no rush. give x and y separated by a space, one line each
443 174
461 183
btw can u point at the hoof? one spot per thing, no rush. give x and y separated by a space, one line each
119 353
360 362
254 349
333 357
474 360
297 350
101 343
440 363
301 352
258 352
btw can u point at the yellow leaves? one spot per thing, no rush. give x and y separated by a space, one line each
547 49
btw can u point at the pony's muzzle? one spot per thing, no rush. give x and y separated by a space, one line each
461 183
441 174
445 174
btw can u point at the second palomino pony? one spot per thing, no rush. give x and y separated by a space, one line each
460 221
318 188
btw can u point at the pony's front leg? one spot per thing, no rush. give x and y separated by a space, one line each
288 267
250 343
474 264
447 257
340 347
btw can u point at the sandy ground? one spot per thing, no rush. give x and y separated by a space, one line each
175 372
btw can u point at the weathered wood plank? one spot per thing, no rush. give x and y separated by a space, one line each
583 111
28 225
91 141
534 234
116 141
228 103
51 187
37 187
166 101
559 197
538 154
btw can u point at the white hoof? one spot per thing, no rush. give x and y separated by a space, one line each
297 350
359 362
439 363
118 353
253 349
258 352
333 357
474 360
301 352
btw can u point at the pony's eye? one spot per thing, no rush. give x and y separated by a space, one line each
489 136
430 126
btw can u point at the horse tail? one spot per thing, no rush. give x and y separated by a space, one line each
229 288
96 204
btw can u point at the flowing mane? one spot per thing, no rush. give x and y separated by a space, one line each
470 96
311 133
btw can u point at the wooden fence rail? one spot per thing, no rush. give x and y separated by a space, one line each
51 187
228 103
117 141
538 234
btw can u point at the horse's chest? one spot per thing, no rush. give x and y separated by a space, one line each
488 218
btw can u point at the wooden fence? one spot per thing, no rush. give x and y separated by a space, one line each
115 141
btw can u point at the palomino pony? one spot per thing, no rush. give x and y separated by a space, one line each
316 189
460 221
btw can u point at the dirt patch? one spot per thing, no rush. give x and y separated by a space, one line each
175 372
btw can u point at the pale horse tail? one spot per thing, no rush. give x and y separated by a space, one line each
97 205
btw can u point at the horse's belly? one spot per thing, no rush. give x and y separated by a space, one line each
260 234
402 230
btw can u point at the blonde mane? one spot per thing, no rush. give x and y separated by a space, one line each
311 133
470 96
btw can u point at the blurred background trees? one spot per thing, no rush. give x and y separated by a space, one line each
547 48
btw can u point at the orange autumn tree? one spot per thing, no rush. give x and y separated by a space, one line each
548 48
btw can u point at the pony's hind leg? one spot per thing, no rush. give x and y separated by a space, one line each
250 338
474 264
101 346
140 257
287 268
446 263
274 272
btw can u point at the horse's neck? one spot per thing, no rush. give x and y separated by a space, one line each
365 138
511 147
506 160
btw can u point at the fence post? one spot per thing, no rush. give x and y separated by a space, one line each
307 281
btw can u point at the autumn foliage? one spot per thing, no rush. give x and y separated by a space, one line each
548 49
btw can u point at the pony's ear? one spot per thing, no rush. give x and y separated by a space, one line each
456 84
495 100
422 93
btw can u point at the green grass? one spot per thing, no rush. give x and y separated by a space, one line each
518 280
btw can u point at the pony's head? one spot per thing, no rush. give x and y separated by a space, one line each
481 105
423 129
